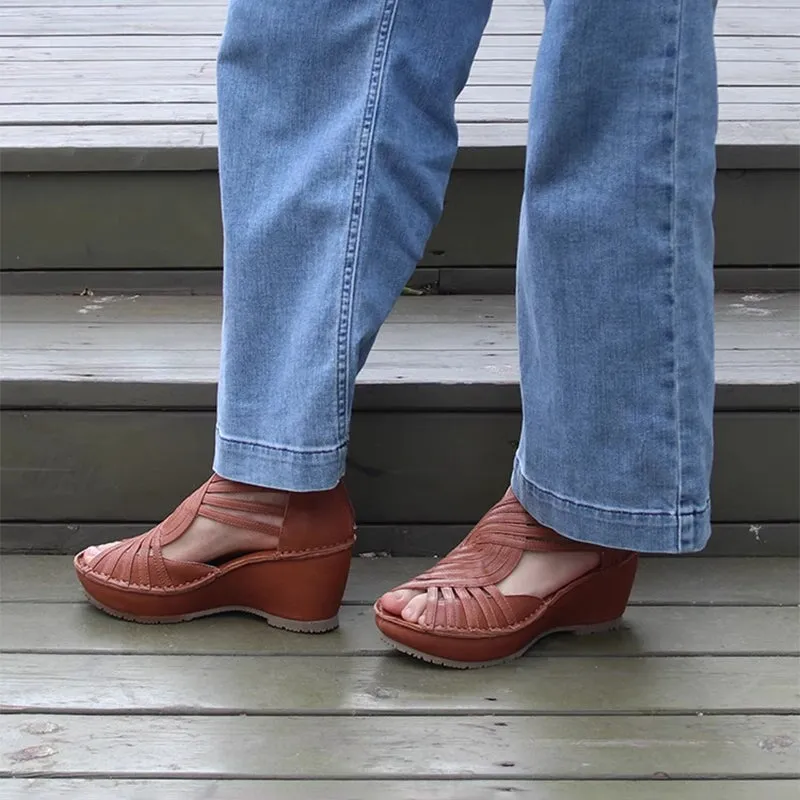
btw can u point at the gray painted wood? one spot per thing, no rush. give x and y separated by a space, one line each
493 47
176 73
403 467
168 221
565 747
86 684
204 112
102 789
467 340
447 280
165 54
755 144
58 629
727 539
660 581
757 279
208 19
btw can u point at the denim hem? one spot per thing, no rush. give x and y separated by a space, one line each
277 468
642 531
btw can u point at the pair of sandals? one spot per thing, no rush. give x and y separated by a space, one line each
298 584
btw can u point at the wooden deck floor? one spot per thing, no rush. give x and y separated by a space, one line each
97 90
697 697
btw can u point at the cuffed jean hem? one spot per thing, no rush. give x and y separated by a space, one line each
642 531
278 468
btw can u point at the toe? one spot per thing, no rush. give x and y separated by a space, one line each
394 602
414 609
90 553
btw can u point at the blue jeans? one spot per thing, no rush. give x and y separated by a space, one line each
337 136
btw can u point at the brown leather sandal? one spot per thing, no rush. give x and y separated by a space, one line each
297 585
468 622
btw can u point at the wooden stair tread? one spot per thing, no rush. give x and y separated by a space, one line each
61 351
135 90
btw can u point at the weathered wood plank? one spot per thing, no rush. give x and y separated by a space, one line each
746 95
755 144
96 221
81 684
492 48
175 19
205 112
22 138
660 581
445 280
94 94
452 382
404 467
41 327
769 323
81 48
335 747
752 316
727 539
492 72
487 72
77 628
182 789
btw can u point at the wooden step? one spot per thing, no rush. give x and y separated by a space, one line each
694 698
108 142
109 410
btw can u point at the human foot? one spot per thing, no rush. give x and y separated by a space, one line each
207 540
284 556
510 582
536 575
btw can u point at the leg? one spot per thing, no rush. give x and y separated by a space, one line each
615 282
615 313
337 135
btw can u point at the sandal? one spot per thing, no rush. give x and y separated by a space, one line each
468 622
297 585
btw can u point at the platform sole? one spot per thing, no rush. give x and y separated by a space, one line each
580 630
294 625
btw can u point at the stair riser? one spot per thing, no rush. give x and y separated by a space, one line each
405 467
169 221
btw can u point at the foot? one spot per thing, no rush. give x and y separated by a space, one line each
507 585
280 555
208 540
536 575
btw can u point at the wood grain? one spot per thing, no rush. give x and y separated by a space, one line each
284 747
92 684
184 789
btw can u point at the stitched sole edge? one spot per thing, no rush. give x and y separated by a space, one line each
294 625
580 630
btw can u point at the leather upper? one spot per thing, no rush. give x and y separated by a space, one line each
462 593
293 524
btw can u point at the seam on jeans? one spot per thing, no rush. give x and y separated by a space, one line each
607 509
673 222
357 210
281 449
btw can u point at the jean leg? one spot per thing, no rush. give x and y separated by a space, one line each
615 275
337 135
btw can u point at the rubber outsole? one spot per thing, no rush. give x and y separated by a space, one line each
296 626
580 630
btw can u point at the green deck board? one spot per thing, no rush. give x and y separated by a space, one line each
92 684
